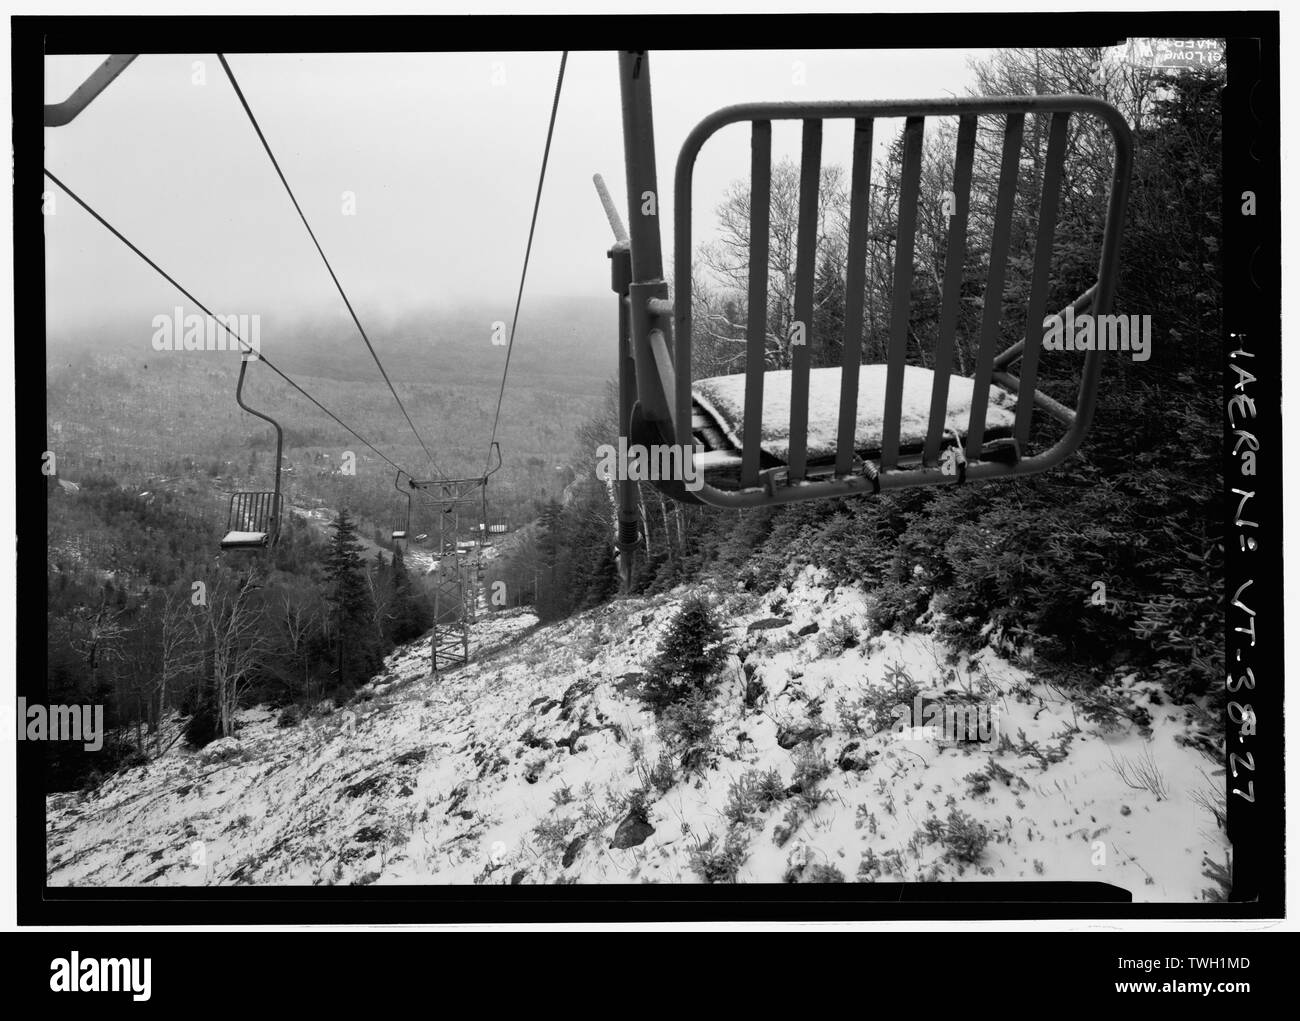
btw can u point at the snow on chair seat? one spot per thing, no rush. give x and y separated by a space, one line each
245 540
719 405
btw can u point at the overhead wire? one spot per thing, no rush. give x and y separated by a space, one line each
528 250
218 319
315 241
550 131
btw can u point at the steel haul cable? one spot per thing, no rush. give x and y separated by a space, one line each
303 216
532 227
218 319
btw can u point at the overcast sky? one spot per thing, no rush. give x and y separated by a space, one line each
442 161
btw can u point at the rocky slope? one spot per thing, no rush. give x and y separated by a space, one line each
537 763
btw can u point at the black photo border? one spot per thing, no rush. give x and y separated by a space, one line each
1252 290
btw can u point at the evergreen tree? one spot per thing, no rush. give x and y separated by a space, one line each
356 648
690 656
411 615
550 602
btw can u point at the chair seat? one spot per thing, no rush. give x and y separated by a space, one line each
245 540
719 403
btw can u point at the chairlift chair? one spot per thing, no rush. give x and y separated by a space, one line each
254 519
402 523
763 436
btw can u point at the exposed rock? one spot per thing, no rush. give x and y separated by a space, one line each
531 740
458 794
631 831
851 760
809 629
577 690
220 750
369 835
788 737
365 786
571 852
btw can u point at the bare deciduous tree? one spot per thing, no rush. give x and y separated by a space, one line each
238 645
181 653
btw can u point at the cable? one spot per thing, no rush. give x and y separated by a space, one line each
303 216
248 347
532 227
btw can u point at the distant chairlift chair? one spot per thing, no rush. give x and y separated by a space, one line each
402 523
766 437
254 522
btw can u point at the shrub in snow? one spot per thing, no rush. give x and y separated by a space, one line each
819 873
874 711
810 769
661 777
721 864
963 838
637 804
553 834
201 728
689 657
841 635
687 728
788 826
752 794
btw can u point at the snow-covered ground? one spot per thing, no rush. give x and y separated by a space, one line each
519 767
